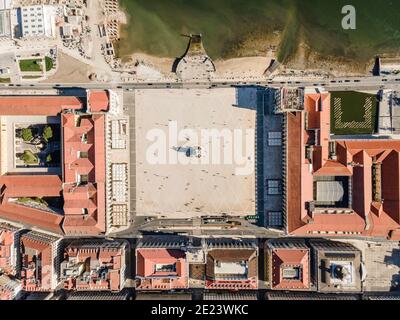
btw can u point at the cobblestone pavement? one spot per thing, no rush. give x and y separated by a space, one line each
382 263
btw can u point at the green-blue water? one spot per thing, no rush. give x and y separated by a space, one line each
155 26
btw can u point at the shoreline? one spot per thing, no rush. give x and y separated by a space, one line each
241 65
250 59
254 67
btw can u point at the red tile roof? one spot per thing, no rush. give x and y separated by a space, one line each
37 105
295 154
354 159
33 217
7 246
92 195
294 258
98 100
35 275
109 256
146 260
30 186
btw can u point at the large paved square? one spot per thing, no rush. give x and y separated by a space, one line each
214 182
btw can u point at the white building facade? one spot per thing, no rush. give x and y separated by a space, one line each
37 21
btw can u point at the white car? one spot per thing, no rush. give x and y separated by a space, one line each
4 70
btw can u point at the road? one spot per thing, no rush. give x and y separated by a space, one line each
190 227
337 84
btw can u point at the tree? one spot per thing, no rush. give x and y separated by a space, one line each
47 133
29 158
27 135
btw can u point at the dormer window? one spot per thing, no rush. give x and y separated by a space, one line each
84 138
83 155
82 179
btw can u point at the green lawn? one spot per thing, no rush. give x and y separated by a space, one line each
49 63
5 80
353 113
30 65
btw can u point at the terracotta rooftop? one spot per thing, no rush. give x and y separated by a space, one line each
94 265
37 261
30 186
84 157
37 105
297 260
356 159
98 100
8 244
161 269
9 288
232 269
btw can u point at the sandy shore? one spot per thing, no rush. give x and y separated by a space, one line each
163 65
304 63
247 67
151 68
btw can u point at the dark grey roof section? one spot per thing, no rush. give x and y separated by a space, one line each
224 243
36 295
101 295
382 296
163 296
308 296
233 296
162 242
43 237
95 243
327 245
287 244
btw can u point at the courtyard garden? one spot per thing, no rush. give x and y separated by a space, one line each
50 204
35 65
38 145
353 113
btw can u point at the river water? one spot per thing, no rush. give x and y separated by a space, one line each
155 26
